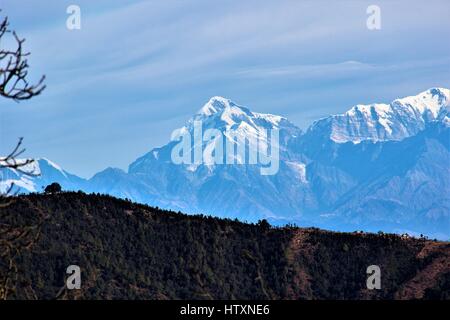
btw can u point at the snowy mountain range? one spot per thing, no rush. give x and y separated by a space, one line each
375 167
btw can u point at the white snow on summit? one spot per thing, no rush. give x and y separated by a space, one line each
231 113
431 100
400 119
52 165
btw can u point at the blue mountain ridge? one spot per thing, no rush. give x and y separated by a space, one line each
376 167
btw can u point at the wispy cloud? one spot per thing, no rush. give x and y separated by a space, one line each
308 71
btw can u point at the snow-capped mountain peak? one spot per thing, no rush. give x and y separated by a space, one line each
223 125
217 105
402 118
432 100
219 111
222 113
44 162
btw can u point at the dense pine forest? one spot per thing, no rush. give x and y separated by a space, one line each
132 251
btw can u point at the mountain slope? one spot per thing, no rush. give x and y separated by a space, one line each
131 251
37 175
410 180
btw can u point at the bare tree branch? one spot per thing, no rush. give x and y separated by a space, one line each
14 69
11 160
22 166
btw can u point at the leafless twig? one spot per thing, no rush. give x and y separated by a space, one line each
14 69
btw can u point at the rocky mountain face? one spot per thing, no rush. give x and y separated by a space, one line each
375 167
400 119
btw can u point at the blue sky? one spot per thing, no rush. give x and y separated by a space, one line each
139 69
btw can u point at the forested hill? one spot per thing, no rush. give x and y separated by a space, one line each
127 250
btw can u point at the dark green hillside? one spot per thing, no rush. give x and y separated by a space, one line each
126 250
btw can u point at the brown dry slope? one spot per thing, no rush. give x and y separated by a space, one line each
439 254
